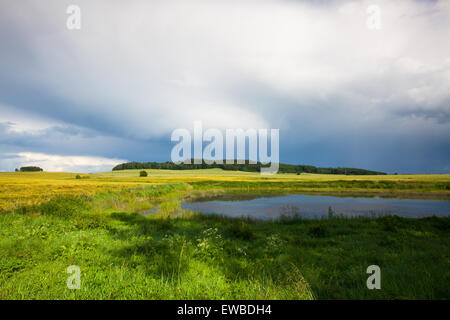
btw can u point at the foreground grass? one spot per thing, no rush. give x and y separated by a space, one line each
125 255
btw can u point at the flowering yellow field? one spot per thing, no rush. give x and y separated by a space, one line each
24 188
219 174
34 187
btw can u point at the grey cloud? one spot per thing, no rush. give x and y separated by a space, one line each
128 77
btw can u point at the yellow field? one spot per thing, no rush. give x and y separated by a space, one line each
24 188
219 174
34 187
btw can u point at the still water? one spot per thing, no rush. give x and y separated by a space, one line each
316 206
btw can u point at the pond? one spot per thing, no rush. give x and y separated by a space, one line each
316 206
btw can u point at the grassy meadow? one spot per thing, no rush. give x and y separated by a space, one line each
49 221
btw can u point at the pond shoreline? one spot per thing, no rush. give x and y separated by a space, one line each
264 205
428 195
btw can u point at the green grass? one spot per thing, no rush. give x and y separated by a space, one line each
125 255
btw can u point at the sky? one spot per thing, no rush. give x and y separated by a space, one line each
343 90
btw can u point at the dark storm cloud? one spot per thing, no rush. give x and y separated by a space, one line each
341 95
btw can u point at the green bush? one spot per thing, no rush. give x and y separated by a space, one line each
143 173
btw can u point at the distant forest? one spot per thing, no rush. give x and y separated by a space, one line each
29 169
283 168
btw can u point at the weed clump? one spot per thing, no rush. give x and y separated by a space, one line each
239 229
330 212
64 206
319 231
164 223
389 223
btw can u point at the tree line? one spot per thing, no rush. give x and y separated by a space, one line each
248 167
29 169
